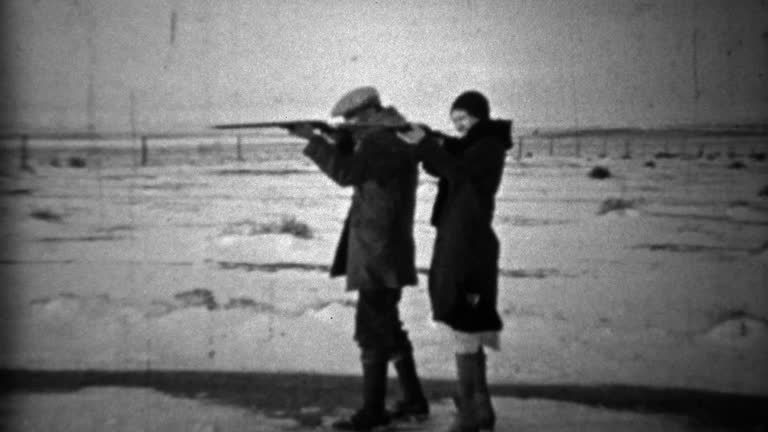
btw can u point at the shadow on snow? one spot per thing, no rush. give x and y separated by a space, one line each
285 394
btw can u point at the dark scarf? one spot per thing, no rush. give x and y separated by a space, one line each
500 129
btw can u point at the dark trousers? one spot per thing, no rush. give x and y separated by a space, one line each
378 328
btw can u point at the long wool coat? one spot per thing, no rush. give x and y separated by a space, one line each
463 276
376 249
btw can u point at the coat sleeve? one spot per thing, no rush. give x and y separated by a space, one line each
344 168
442 142
476 162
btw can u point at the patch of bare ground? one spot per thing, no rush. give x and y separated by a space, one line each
259 172
619 205
120 177
523 221
691 248
205 298
172 186
536 273
287 225
288 394
85 238
47 215
16 191
115 229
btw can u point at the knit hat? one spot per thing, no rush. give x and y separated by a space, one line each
474 103
355 100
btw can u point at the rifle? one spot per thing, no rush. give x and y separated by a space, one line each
320 125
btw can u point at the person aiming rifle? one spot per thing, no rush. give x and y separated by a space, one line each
376 250
464 272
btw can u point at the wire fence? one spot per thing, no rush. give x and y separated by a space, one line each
206 148
157 149
627 147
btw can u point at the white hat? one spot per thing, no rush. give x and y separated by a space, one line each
356 99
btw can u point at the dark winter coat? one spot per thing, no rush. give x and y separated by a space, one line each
376 249
463 276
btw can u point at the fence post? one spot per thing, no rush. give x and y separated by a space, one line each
551 146
627 149
578 148
240 148
25 152
144 150
519 148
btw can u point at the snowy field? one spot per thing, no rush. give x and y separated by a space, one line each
653 278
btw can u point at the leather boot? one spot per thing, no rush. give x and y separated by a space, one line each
466 372
486 418
373 412
414 405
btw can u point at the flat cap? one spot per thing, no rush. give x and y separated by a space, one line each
356 99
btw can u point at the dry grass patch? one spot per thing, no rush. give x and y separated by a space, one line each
599 173
617 205
287 225
47 215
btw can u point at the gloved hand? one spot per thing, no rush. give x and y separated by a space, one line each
344 141
414 135
302 130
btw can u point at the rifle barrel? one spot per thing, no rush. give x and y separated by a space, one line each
319 124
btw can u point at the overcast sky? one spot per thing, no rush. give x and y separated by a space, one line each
190 63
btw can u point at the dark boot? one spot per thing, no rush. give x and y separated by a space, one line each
373 412
414 405
466 372
486 418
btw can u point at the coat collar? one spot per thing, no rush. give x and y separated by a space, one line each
497 129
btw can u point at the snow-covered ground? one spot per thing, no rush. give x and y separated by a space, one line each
184 267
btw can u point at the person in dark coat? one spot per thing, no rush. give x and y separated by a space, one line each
464 271
376 250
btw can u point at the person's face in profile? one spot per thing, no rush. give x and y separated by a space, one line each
462 121
361 116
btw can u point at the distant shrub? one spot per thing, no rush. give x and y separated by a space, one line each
599 173
615 204
736 165
55 162
77 162
47 215
291 225
763 192
650 164
197 297
116 228
713 156
665 155
757 156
